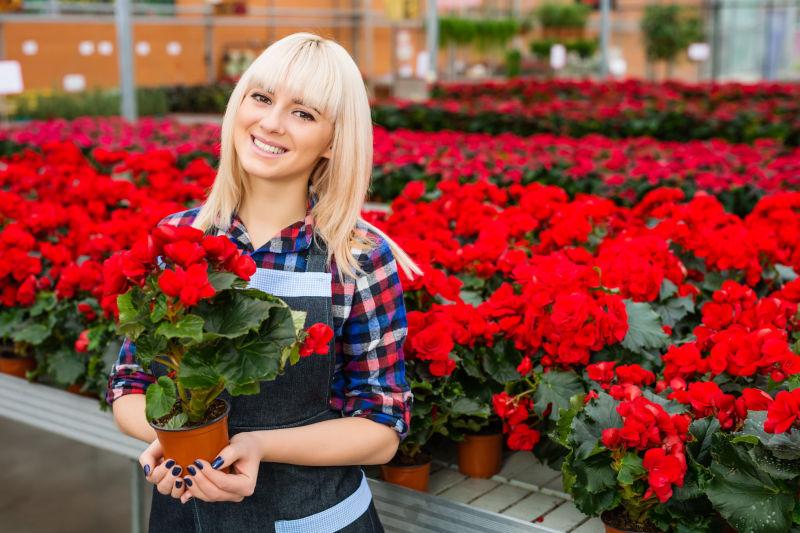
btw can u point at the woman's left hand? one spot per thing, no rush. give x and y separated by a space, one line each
212 485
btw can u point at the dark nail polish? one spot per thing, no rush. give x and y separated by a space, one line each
146 470
217 463
188 481
191 470
176 471
169 464
178 484
199 464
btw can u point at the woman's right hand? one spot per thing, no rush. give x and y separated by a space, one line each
164 474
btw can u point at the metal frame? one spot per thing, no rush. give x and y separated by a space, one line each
69 415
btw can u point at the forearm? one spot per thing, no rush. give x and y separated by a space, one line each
129 416
343 441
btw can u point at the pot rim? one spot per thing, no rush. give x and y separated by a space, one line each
408 467
209 423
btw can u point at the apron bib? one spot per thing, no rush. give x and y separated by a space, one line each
287 498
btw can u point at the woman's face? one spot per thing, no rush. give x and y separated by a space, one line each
302 134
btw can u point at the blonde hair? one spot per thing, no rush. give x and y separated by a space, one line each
324 75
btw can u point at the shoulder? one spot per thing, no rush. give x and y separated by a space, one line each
181 218
376 258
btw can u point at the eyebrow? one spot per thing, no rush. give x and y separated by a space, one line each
295 100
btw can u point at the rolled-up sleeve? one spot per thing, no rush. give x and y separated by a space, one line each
375 384
127 376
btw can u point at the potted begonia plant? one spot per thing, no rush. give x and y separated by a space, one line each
182 297
634 462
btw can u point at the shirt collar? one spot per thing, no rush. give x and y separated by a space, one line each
291 239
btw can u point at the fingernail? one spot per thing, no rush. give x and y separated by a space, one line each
199 464
178 484
169 464
187 499
176 471
191 470
188 481
217 463
146 470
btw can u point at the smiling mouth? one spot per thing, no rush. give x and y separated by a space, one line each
267 151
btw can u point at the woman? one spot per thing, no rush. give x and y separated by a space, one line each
295 166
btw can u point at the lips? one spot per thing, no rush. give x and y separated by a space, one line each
272 143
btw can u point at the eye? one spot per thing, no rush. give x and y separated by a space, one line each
306 116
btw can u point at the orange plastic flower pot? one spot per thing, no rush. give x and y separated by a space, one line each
17 366
413 477
480 456
184 445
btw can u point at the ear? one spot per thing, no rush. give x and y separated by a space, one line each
327 153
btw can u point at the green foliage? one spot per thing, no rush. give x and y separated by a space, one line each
232 341
558 15
668 30
584 48
747 495
484 34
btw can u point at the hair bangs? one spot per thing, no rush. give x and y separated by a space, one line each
305 71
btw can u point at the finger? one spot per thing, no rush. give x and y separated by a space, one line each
236 482
192 490
150 457
207 487
178 488
161 471
166 485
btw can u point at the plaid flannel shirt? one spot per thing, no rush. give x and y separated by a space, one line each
369 318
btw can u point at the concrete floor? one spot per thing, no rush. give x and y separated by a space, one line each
52 484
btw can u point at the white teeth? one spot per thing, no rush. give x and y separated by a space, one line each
267 147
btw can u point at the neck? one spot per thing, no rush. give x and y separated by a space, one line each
274 205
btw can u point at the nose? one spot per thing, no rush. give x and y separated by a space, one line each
272 119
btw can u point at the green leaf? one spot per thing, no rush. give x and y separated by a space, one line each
9 321
160 398
66 366
148 347
702 431
748 498
670 406
33 334
556 388
675 309
497 362
177 421
631 469
256 359
299 319
644 328
239 316
471 297
188 327
159 308
771 465
470 407
667 289
45 301
782 445
594 488
200 371
222 280
128 322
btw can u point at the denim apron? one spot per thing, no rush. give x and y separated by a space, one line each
287 498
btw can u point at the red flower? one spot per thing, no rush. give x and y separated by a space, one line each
783 412
219 248
433 343
185 253
242 265
82 344
525 366
663 471
189 285
523 438
317 341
